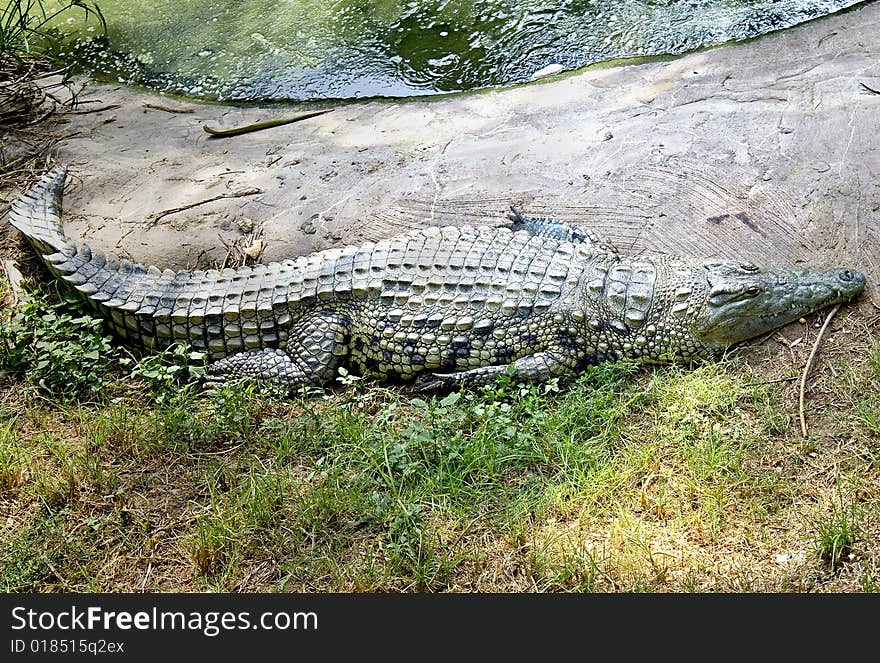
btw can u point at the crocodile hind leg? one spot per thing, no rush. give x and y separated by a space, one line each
561 230
318 344
532 368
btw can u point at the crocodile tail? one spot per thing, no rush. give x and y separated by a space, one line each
37 212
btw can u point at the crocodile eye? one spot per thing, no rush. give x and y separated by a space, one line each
754 291
749 267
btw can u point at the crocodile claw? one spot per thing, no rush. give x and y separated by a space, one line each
211 384
432 382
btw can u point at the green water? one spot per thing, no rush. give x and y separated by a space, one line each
310 49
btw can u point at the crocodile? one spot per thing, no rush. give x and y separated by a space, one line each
442 307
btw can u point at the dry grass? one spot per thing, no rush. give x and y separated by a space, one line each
32 107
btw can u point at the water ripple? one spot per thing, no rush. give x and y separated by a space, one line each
257 50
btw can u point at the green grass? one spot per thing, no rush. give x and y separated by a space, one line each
682 479
30 81
26 25
837 531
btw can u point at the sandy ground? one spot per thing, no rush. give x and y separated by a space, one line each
766 150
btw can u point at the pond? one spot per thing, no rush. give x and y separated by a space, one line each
263 50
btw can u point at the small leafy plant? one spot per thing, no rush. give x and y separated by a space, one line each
59 349
168 370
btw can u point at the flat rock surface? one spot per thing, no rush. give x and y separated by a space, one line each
766 150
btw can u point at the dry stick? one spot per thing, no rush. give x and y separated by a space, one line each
89 111
168 109
146 575
869 89
809 366
174 210
89 101
258 126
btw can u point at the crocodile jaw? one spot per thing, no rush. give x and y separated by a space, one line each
744 302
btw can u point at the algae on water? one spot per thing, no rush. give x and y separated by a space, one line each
311 49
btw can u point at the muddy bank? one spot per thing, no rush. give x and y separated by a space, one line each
765 151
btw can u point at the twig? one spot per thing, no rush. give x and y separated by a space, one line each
869 89
124 235
259 126
229 249
168 109
198 261
128 352
809 366
174 210
146 575
781 339
89 111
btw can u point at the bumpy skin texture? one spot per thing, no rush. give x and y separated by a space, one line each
444 306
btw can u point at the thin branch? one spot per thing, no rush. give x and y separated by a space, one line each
809 366
174 210
89 111
869 88
147 574
169 109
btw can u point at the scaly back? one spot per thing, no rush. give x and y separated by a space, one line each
245 308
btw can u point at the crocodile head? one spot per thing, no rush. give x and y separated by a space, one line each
743 301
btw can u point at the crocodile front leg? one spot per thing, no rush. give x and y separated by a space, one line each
268 365
317 346
532 368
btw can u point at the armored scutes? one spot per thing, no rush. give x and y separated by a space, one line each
444 306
